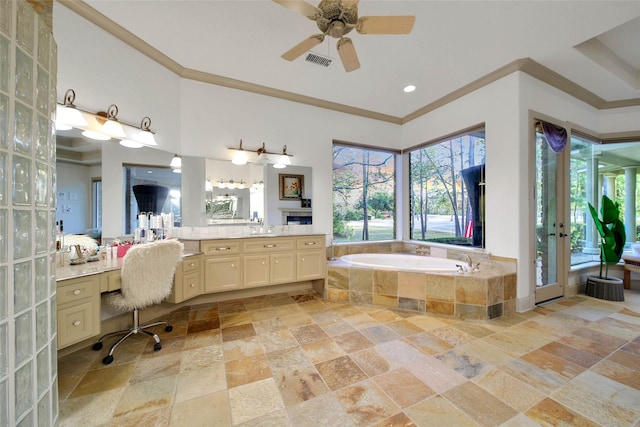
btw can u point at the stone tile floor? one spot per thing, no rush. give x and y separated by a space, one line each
298 360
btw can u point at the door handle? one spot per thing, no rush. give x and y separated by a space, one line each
563 235
552 234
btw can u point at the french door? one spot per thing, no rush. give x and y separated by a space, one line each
552 225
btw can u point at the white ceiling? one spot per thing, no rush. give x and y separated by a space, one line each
452 44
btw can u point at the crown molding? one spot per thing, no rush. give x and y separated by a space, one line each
525 65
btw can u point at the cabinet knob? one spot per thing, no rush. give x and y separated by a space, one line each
223 249
76 292
233 266
302 259
76 323
193 285
277 262
269 246
310 243
193 264
263 263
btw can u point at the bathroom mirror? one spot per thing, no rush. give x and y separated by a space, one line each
81 173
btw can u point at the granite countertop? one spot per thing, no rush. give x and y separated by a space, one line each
97 267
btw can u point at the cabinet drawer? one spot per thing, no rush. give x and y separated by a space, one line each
191 285
191 264
267 245
220 247
77 323
310 242
110 281
78 290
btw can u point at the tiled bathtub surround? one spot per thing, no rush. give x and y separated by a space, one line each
486 294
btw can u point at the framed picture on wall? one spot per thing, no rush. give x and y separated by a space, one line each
291 186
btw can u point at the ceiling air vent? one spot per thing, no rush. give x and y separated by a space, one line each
317 59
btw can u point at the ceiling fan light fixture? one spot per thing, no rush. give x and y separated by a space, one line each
409 88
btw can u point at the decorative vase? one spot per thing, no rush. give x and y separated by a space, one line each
607 288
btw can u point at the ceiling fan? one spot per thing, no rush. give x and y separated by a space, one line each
336 18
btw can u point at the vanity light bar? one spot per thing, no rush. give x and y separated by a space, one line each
103 125
240 156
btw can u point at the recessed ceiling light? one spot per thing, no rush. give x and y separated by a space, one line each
409 88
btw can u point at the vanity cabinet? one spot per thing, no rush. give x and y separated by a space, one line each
310 258
78 302
222 265
261 261
272 269
188 281
268 261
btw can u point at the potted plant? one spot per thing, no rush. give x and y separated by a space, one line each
612 240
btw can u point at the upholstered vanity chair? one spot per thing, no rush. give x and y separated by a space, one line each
147 278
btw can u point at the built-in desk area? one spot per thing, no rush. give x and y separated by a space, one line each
209 266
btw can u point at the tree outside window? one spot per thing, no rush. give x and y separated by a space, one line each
363 194
447 190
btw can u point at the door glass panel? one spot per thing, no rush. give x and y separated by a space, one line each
546 213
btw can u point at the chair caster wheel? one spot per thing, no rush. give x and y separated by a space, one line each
168 328
107 360
97 346
157 346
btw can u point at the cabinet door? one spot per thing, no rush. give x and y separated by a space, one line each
256 270
222 274
191 285
282 268
310 265
78 322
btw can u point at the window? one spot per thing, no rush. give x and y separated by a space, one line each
96 203
597 169
363 194
446 186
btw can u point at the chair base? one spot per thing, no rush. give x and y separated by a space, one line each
134 330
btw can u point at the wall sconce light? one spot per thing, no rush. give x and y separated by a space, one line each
240 157
68 115
231 184
176 162
283 160
262 158
103 125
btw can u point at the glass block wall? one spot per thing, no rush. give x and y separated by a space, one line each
28 359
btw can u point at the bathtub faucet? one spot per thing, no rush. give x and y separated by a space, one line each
466 258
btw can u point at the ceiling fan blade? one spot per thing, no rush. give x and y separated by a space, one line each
348 55
299 6
385 24
302 47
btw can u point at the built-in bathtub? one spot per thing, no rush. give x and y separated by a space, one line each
403 262
424 284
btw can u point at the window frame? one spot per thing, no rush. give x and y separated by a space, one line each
396 157
469 131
